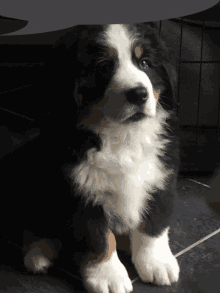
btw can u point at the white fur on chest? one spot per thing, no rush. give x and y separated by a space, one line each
125 171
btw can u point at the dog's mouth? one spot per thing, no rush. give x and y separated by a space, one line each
136 117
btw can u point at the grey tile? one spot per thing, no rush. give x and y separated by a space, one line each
10 140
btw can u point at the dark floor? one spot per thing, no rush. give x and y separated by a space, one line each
194 220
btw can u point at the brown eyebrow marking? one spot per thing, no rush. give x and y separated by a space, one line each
110 53
138 51
156 95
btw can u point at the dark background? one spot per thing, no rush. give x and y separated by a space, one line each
195 41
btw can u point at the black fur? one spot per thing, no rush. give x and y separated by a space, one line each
37 194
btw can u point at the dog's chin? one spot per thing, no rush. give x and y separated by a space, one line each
138 116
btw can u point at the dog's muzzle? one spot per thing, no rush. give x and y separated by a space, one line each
137 96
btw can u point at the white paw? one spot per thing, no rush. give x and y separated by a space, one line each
155 262
36 263
39 257
109 276
157 267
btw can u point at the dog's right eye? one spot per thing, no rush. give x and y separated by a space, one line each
103 66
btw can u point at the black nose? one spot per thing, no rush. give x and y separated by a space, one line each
137 96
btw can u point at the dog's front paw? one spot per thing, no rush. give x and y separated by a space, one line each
39 257
109 276
157 265
36 262
153 258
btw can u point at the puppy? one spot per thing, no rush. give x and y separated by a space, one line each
106 162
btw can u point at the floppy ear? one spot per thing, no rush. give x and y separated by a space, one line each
60 76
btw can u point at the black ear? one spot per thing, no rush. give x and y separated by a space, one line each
63 58
59 81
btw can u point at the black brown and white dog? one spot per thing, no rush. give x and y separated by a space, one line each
108 165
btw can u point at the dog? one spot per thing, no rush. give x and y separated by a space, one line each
106 162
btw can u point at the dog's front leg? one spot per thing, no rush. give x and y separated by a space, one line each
106 273
153 258
151 253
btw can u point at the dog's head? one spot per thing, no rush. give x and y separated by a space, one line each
115 74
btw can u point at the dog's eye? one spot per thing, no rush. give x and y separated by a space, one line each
104 66
144 64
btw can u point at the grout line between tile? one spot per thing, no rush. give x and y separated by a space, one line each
15 89
191 246
70 274
198 242
78 278
14 113
199 183
176 255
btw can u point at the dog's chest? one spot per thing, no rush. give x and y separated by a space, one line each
131 156
128 158
123 174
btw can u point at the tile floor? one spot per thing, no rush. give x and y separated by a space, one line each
194 234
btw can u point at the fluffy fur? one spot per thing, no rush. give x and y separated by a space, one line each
107 158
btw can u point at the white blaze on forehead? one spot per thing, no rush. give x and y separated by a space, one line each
118 37
128 75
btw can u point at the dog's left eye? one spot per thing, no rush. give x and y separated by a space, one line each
144 64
